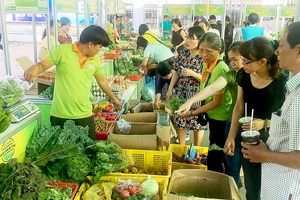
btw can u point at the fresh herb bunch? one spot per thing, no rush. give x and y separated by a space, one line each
183 194
20 181
175 103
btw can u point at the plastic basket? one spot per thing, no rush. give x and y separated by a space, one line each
112 56
134 78
179 150
104 135
162 182
63 186
159 160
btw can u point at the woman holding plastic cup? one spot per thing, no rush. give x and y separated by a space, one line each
262 87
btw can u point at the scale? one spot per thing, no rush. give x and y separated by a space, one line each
22 110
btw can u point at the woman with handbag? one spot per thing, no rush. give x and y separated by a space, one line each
216 107
186 82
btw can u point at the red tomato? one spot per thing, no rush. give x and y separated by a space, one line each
125 194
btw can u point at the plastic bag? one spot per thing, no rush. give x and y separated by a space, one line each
11 90
122 127
163 119
148 92
127 189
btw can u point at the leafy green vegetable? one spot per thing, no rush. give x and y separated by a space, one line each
10 91
20 181
175 103
54 192
215 147
183 194
69 153
48 93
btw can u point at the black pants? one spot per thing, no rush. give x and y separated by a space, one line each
216 159
89 121
252 173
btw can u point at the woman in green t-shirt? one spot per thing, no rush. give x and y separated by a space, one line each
227 79
216 107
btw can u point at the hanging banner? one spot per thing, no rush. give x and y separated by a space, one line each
177 9
262 11
216 10
287 12
200 9
67 6
121 7
92 6
111 6
26 5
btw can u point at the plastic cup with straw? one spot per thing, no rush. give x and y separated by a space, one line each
252 136
245 119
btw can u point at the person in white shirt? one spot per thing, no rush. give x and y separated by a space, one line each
281 153
212 28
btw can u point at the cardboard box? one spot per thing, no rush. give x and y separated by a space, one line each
163 131
146 107
148 117
141 136
203 185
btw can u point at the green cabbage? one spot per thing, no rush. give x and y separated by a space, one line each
149 187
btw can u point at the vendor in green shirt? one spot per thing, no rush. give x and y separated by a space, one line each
75 65
157 52
227 79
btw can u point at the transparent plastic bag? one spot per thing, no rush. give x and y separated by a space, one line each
148 92
122 127
11 90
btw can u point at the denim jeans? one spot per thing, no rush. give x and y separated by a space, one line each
234 162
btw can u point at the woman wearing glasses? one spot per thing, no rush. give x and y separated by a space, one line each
227 79
262 87
186 81
216 107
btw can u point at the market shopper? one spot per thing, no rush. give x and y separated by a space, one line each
166 26
262 87
216 107
178 36
157 52
119 26
165 72
64 37
204 25
228 37
186 82
227 79
281 153
75 65
253 30
149 35
44 44
213 27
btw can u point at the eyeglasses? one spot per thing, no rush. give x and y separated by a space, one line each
190 38
249 62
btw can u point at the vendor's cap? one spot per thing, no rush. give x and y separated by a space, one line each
212 21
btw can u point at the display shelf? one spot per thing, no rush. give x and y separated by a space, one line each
128 93
14 128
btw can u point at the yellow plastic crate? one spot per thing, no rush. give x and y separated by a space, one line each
162 182
179 150
159 160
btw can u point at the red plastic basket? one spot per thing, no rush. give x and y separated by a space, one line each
104 135
134 78
63 186
113 56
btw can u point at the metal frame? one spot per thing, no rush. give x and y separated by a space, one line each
3 14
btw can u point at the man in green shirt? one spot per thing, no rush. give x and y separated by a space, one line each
75 65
